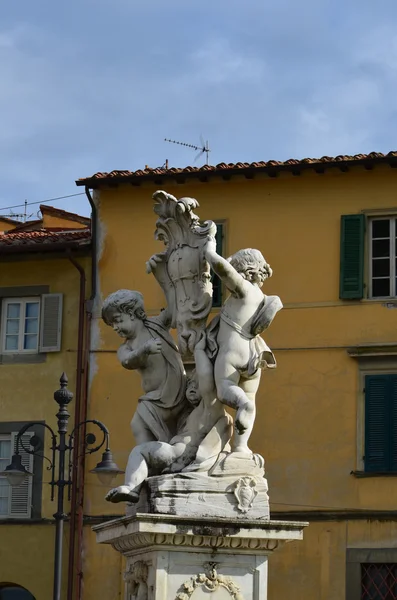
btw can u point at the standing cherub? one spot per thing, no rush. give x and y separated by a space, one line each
234 341
150 349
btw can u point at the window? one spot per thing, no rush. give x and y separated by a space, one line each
15 502
378 581
21 325
216 282
381 244
380 454
371 573
383 256
31 324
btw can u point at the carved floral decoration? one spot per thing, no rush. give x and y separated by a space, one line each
210 581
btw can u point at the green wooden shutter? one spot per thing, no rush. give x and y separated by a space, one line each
216 282
393 422
377 423
352 256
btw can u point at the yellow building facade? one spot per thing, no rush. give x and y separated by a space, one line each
326 227
325 420
42 265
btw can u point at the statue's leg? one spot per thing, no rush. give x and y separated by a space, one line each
245 417
135 474
140 430
144 460
227 379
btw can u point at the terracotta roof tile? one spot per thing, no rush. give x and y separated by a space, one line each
271 165
42 238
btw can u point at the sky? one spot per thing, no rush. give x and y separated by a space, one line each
96 85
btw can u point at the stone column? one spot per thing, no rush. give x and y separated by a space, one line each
178 558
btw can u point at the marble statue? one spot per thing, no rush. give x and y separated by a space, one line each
187 458
239 352
150 349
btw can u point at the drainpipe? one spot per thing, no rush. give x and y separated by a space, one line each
75 575
79 435
94 238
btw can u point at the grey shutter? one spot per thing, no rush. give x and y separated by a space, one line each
51 323
21 496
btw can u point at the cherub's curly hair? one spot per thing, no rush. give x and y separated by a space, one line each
124 301
249 261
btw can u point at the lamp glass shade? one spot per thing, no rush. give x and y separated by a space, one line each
106 469
15 478
15 472
106 478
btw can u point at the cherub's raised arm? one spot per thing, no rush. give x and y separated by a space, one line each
234 282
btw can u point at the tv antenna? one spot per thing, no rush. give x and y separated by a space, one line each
203 149
23 217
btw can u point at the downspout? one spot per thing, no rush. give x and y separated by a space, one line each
89 309
94 238
77 413
75 575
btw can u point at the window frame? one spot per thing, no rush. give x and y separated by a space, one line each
392 218
23 301
355 557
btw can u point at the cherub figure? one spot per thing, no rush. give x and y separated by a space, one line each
150 349
234 341
188 450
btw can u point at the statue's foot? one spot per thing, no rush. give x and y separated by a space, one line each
123 493
243 418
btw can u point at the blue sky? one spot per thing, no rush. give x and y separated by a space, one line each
96 85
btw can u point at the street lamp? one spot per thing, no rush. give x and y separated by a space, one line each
106 469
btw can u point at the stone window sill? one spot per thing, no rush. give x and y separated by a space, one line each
364 474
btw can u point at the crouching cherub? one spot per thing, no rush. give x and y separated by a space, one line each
150 349
206 433
233 338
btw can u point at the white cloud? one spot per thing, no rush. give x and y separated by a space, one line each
216 62
101 91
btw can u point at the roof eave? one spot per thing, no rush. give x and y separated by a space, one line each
248 172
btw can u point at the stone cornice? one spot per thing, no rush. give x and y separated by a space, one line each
160 531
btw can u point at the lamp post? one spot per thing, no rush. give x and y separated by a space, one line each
62 445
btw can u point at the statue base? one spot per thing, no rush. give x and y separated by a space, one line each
234 487
171 557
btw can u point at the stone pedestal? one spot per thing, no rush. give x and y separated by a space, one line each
177 558
235 487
